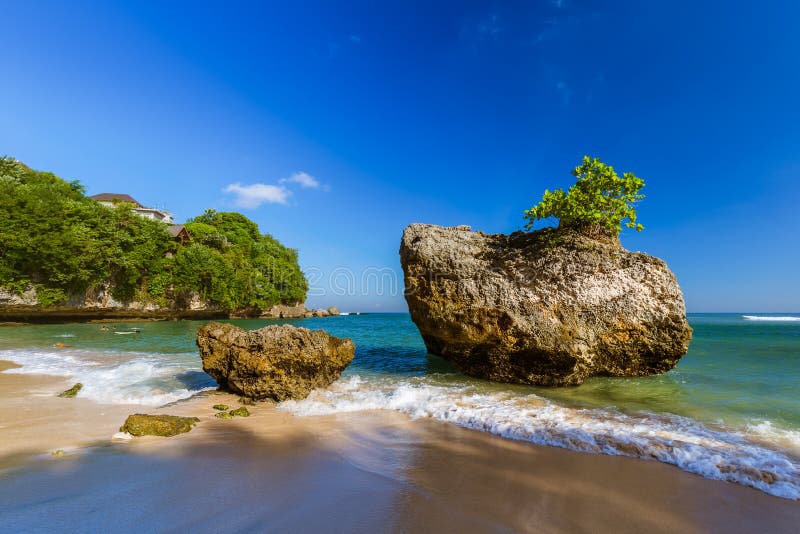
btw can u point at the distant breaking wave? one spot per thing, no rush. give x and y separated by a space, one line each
771 318
721 454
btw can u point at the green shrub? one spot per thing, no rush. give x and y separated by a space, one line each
597 204
50 296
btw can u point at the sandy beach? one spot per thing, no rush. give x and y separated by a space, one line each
367 472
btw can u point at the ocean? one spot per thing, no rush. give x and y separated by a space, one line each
729 411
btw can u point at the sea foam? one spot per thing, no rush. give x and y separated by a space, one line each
115 377
720 454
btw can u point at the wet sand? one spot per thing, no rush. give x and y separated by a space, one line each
363 472
34 421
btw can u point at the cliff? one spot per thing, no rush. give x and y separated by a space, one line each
63 254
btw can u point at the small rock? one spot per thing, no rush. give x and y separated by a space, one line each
71 392
58 453
240 412
276 362
157 425
333 310
285 311
223 415
222 407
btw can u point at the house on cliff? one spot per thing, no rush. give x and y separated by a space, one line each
179 233
109 199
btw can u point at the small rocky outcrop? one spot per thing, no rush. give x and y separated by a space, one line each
27 297
551 307
157 425
285 311
277 362
71 392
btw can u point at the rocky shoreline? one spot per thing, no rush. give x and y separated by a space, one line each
15 314
99 305
70 314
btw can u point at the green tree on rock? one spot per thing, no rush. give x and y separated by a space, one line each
596 205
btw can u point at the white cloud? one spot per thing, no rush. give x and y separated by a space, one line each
253 195
305 180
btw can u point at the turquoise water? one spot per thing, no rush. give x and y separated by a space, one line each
736 370
729 410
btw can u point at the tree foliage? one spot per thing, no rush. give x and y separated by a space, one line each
597 204
55 238
242 268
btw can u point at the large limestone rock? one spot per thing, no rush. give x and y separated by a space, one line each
551 307
277 362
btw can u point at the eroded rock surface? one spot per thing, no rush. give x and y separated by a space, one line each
157 425
550 307
277 362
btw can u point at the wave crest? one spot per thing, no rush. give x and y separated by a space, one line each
783 318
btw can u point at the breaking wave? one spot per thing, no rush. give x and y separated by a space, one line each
787 318
118 377
721 454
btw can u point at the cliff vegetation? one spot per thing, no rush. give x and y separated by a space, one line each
57 241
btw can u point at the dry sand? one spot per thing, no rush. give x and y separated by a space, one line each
363 472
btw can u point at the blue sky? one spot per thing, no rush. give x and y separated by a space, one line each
348 121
